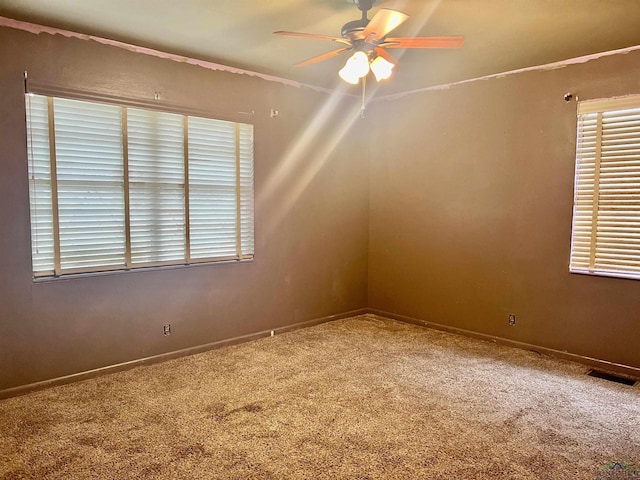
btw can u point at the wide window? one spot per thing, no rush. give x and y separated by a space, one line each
115 187
606 212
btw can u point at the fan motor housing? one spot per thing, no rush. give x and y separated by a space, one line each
353 30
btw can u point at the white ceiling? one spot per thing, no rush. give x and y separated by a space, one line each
500 35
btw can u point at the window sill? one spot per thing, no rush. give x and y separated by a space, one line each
154 268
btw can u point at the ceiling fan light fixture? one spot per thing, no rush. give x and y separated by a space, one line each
357 66
381 68
368 40
348 76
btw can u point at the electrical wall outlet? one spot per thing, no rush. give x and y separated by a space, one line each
167 329
512 319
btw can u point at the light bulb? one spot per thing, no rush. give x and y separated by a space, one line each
357 66
348 76
360 64
381 68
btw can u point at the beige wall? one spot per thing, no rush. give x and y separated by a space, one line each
311 220
470 212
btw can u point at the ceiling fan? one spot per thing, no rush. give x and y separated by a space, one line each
369 42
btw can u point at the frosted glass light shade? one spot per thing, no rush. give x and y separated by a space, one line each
357 66
381 68
348 76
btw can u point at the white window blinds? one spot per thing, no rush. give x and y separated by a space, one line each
606 213
245 145
90 185
114 187
156 186
40 191
212 181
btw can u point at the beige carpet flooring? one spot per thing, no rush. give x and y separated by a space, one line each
361 398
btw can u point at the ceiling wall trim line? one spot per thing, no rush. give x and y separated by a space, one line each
38 29
535 68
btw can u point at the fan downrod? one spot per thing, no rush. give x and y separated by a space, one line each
350 29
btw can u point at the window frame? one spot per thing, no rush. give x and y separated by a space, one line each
605 229
244 189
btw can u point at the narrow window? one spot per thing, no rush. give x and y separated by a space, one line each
606 212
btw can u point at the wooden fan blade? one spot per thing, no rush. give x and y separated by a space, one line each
423 42
386 55
382 23
320 58
313 36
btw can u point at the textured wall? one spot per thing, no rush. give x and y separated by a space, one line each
311 220
470 212
466 217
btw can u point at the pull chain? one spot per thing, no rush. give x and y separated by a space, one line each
363 106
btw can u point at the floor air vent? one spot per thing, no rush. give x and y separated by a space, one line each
611 377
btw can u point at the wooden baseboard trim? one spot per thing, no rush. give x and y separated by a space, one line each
626 370
76 377
617 368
